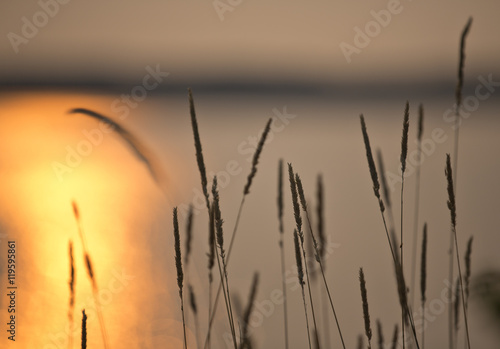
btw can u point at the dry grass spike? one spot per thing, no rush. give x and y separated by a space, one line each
84 330
199 150
256 156
366 312
295 199
381 344
246 340
178 265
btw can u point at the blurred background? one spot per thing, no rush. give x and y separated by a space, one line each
313 67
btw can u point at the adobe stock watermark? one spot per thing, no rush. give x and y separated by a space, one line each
363 35
266 307
223 6
233 168
32 25
94 137
470 104
116 284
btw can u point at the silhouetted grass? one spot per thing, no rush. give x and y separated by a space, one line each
217 249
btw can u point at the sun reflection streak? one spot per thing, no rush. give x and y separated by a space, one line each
118 207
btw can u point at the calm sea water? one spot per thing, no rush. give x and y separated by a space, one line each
50 158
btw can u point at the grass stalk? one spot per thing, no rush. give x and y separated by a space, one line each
280 202
199 150
468 253
458 103
397 265
139 150
361 342
366 312
376 183
423 280
303 202
180 274
300 275
194 309
84 330
417 202
296 187
211 260
91 274
388 203
322 252
317 344
395 337
246 342
71 284
246 191
219 234
189 235
458 94
453 215
187 250
380 333
404 153
456 311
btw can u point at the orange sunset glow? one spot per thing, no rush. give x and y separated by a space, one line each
114 195
156 155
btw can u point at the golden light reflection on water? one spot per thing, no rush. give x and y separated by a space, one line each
118 204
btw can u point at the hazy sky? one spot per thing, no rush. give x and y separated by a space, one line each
126 218
257 39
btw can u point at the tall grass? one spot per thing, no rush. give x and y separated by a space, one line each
395 337
141 152
420 133
300 276
180 273
317 253
423 279
404 153
388 204
219 234
380 333
246 340
194 309
246 191
453 215
71 284
320 213
366 312
280 202
467 275
376 183
456 310
294 186
400 279
211 262
84 330
217 250
91 274
199 151
458 103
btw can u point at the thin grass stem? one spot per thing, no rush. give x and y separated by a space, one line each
417 202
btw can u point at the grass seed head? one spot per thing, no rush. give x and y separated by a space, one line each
451 192
404 138
364 298
295 199
178 258
256 156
